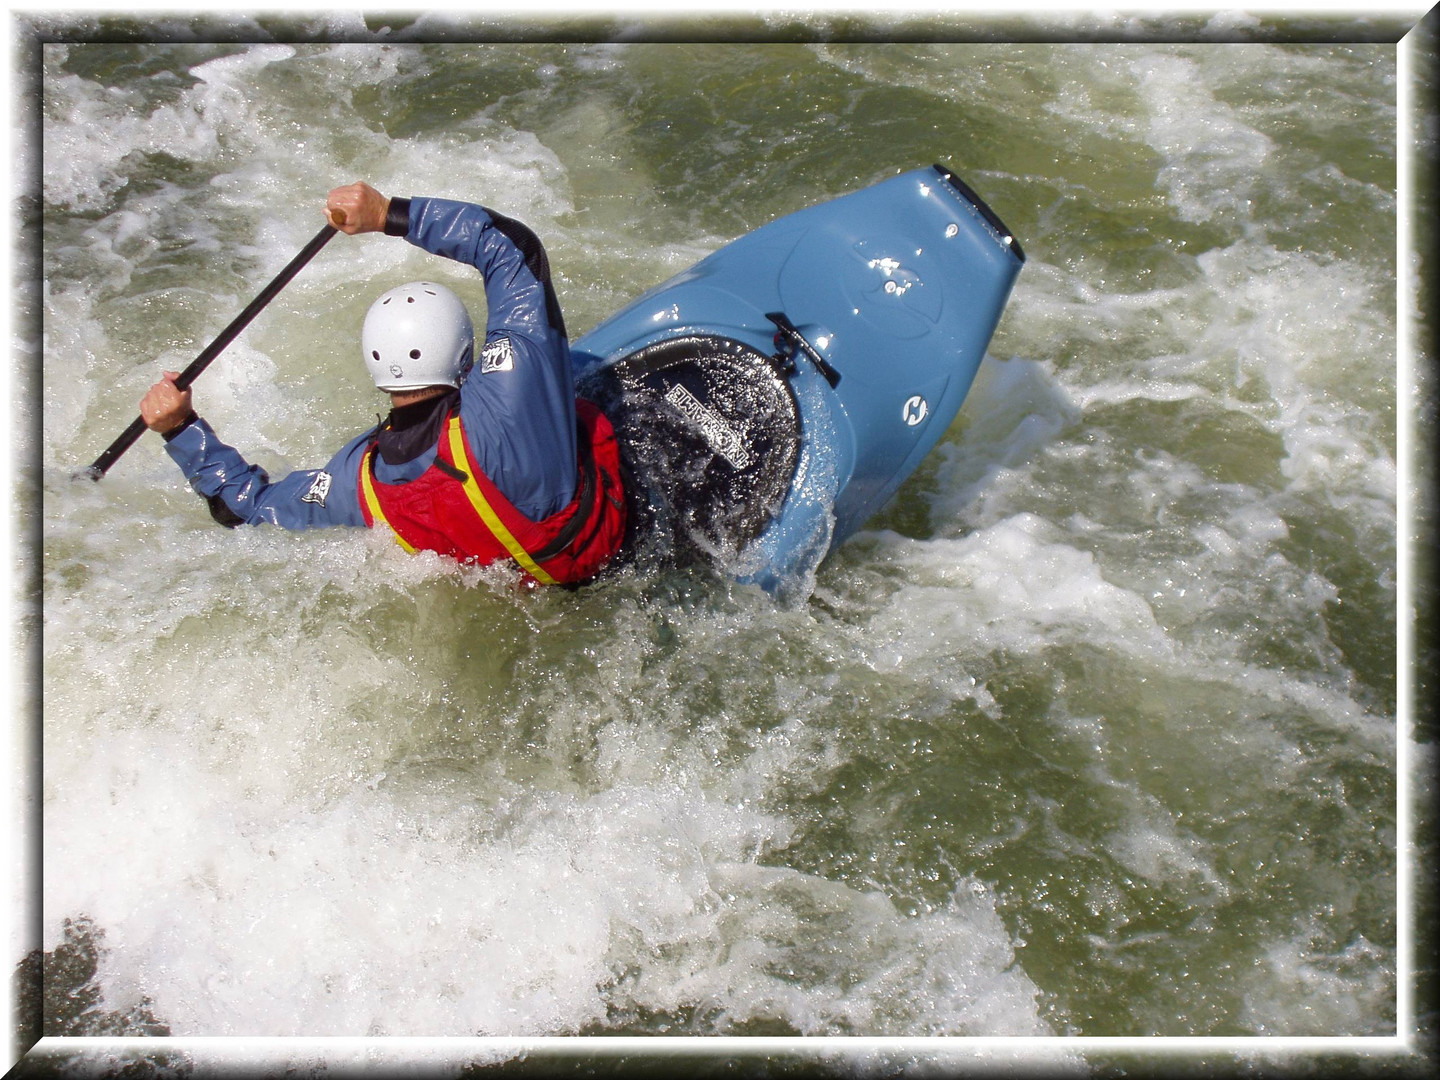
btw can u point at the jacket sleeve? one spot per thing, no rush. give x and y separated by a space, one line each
518 403
510 257
241 493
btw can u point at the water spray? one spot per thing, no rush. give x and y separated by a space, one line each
137 426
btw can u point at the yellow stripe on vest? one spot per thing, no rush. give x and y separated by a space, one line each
486 512
373 503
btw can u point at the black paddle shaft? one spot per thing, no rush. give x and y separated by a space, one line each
201 362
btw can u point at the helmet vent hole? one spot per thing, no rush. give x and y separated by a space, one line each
414 354
386 300
409 299
375 353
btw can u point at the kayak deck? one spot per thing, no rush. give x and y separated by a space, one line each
774 396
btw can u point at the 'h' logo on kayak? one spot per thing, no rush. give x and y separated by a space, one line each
916 409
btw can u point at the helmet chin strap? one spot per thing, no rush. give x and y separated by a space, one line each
401 398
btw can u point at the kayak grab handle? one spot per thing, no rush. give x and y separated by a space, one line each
787 334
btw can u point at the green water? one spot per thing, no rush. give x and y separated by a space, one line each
1091 732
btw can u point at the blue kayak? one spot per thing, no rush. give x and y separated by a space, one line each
770 399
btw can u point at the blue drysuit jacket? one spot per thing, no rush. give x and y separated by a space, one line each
517 406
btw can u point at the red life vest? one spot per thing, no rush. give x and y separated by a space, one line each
453 508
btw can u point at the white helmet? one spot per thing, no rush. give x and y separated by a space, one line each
418 335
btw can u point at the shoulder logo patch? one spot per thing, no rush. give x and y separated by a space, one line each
498 355
318 490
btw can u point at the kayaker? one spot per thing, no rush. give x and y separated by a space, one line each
481 463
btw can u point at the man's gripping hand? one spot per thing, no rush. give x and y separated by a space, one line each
356 208
165 407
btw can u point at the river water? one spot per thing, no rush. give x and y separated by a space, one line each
1092 731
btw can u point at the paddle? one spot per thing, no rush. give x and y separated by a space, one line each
201 362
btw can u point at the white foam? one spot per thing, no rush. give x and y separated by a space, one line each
226 71
1305 984
1212 156
296 851
1155 846
1015 409
964 597
385 912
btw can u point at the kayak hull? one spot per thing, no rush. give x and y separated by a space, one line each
871 311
